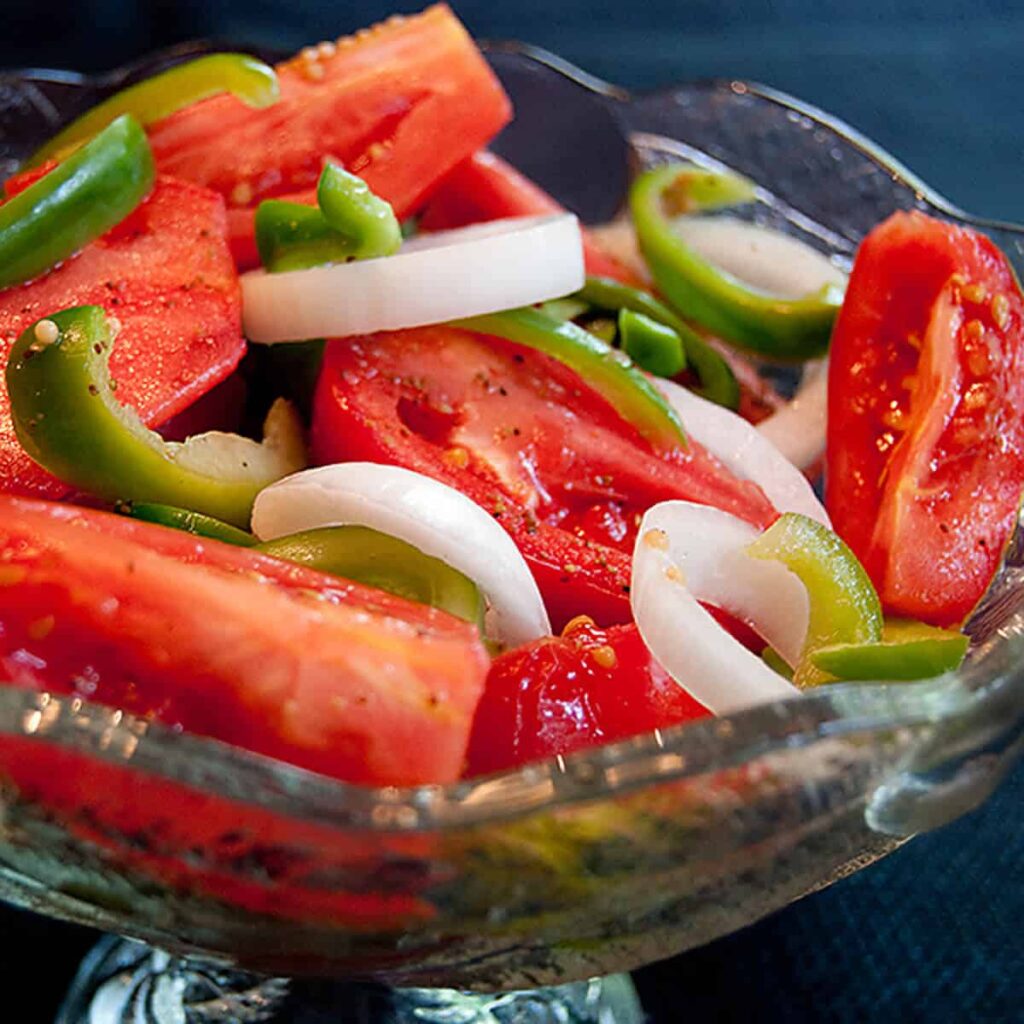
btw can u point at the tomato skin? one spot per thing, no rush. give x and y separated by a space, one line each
165 273
485 187
525 438
400 105
331 677
925 453
563 694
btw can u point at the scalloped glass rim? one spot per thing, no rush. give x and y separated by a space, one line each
993 678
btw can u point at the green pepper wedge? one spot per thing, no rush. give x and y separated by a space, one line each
770 326
653 346
79 200
717 381
68 420
379 560
607 370
186 520
844 606
907 650
155 98
349 223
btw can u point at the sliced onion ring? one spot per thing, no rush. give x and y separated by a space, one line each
745 450
424 512
687 553
434 278
798 428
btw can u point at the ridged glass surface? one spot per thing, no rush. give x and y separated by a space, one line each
563 870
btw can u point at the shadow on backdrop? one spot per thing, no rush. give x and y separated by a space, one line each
936 81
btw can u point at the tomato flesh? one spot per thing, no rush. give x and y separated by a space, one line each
399 104
329 676
485 187
165 273
525 438
925 457
563 694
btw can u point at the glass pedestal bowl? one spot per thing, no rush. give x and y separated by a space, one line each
239 872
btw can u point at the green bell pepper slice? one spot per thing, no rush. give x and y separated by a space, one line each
68 420
844 606
651 345
717 381
379 560
607 370
79 200
907 650
155 98
186 520
768 325
349 223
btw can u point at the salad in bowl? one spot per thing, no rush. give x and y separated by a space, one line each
400 579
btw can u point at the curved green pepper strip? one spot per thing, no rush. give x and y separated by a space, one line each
907 650
778 328
187 521
292 236
717 381
155 98
379 560
352 209
69 421
844 607
75 203
350 223
651 345
607 370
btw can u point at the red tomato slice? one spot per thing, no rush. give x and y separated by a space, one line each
485 187
377 691
399 104
567 693
925 460
166 274
525 438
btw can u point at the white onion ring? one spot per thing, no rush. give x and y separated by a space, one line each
433 278
798 428
744 450
687 552
433 517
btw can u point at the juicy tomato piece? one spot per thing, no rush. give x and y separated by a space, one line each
165 273
925 457
485 187
562 694
399 104
332 677
523 436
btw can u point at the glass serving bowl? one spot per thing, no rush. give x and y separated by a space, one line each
583 866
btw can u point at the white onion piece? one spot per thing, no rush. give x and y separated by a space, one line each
687 552
798 428
433 278
762 258
433 517
744 450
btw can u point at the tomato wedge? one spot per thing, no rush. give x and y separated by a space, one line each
562 694
485 187
165 273
925 456
327 675
524 437
399 104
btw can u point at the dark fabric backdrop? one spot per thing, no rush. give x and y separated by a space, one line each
933 933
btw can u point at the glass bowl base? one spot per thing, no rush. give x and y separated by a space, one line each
125 982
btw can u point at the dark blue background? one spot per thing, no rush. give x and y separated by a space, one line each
932 934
